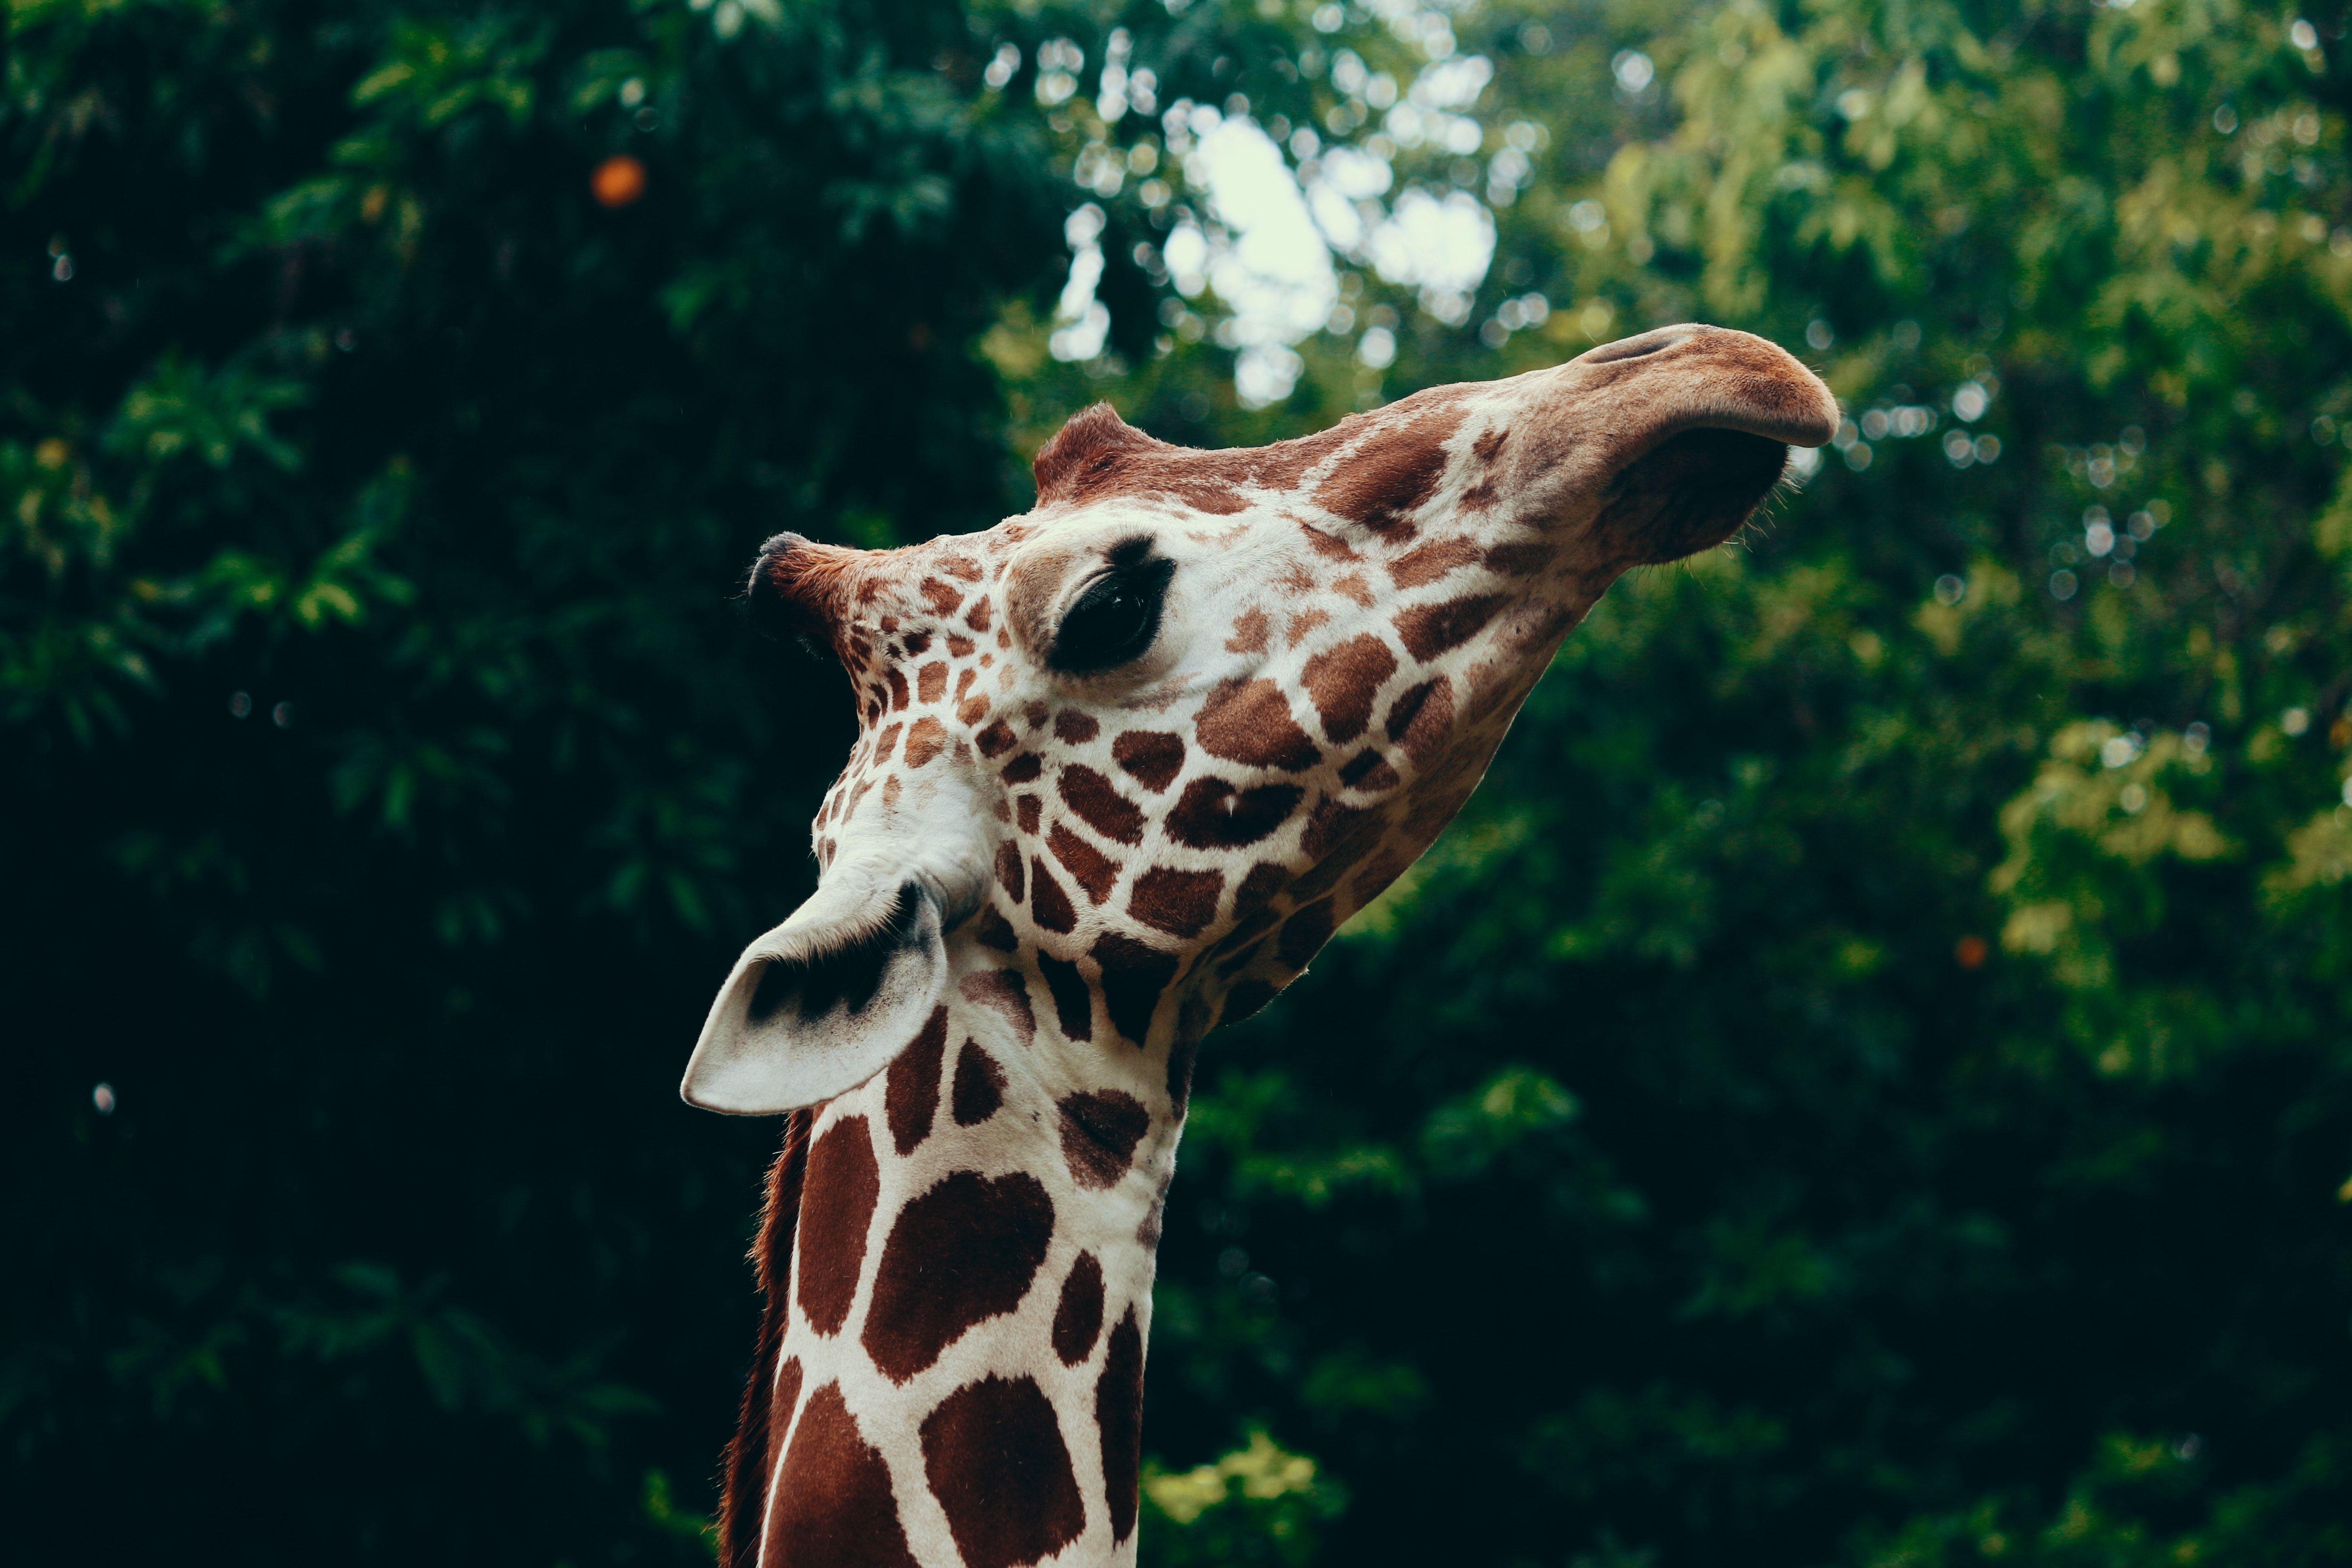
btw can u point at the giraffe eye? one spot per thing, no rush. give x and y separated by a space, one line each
1115 620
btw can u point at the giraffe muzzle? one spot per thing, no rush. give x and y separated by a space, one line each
1688 427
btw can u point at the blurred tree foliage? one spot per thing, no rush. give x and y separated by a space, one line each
1869 1080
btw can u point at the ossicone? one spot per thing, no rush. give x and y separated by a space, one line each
798 588
1086 454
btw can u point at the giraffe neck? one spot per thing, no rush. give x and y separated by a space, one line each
958 1377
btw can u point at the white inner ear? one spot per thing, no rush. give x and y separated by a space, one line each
822 1003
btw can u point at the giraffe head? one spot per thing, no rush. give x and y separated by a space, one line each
1152 741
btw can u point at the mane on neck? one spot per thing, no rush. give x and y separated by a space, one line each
760 1427
958 1259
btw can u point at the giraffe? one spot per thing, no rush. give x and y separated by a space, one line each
1124 763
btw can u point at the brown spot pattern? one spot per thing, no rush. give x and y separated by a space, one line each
1249 721
963 1251
1099 806
1429 630
784 1399
1432 560
1133 977
994 1454
1211 815
1099 1131
1048 904
1077 1317
831 1505
1421 718
1517 560
1362 768
943 599
1152 757
1180 903
1009 872
927 739
1119 1417
996 932
1384 869
1264 879
1073 1007
1342 681
1338 837
1328 546
1243 946
978 1086
1074 727
837 1202
912 1091
1391 475
1094 871
1239 949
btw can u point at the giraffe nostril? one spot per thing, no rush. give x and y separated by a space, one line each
1655 340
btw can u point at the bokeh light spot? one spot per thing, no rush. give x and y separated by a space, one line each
618 181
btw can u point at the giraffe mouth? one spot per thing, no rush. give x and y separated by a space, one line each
1688 493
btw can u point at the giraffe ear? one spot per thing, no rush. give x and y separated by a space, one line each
822 1003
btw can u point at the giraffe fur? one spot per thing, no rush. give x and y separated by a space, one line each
1125 764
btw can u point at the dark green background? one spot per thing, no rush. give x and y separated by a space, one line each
1868 1080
